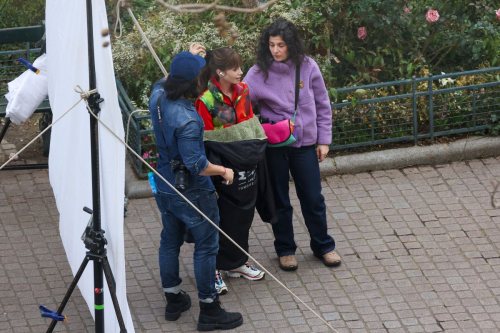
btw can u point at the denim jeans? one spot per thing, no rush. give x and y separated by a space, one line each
177 214
302 163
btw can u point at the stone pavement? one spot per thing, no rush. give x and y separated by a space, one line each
420 248
6 149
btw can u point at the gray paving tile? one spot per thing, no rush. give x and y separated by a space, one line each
420 248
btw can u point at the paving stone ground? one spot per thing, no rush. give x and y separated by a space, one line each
420 248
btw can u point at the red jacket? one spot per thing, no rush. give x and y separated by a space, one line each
219 111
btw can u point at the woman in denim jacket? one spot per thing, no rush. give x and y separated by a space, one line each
179 137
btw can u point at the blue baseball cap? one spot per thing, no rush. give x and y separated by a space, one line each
186 66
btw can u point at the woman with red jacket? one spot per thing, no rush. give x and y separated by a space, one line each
225 101
234 136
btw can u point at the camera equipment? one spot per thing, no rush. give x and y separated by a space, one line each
181 174
93 236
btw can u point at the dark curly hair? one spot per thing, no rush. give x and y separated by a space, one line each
176 90
286 30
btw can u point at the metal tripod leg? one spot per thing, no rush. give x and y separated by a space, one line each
68 293
112 290
4 128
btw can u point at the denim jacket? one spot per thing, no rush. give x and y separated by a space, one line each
179 136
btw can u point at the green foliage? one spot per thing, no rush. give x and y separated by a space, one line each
21 13
399 44
390 114
494 125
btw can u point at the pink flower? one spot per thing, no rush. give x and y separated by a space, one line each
362 33
145 139
407 10
498 14
147 154
152 164
432 16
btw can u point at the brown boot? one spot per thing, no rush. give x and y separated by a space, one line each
330 259
288 263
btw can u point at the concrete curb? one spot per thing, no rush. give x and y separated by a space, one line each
465 149
135 187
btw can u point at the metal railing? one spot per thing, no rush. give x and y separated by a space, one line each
15 43
414 109
137 132
397 111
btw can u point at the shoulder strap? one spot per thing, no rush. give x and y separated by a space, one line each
158 109
297 84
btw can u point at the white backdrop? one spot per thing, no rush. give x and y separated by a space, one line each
69 160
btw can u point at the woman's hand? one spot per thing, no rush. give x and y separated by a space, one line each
197 49
321 152
228 176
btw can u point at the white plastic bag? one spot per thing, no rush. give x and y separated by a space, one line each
27 92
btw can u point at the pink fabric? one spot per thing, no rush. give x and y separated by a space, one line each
278 132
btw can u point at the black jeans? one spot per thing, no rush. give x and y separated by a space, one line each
304 167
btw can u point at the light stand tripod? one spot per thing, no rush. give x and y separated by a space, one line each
94 239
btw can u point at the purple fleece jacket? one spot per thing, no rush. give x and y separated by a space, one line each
276 100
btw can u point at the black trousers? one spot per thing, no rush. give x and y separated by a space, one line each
236 209
302 163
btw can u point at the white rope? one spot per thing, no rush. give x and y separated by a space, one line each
128 122
118 19
146 40
83 95
206 217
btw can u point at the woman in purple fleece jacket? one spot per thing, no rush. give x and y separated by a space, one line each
272 85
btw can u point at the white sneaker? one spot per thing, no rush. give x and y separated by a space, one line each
247 271
220 286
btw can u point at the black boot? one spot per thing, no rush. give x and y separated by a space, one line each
213 316
176 303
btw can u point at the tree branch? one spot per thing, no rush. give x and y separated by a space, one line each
443 56
199 8
428 41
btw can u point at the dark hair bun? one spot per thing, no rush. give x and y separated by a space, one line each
209 55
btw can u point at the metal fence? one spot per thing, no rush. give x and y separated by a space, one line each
11 68
406 110
417 108
15 43
137 132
